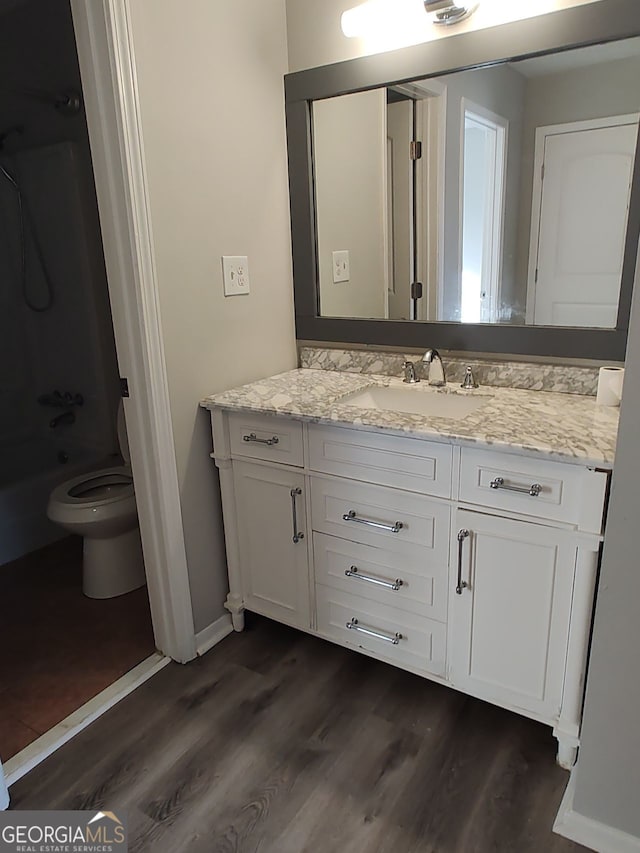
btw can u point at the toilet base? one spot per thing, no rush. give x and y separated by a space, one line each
112 566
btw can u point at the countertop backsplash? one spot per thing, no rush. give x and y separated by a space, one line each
528 376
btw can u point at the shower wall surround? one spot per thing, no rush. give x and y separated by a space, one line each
51 259
530 376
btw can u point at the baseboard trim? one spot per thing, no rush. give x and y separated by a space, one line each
212 634
50 741
588 832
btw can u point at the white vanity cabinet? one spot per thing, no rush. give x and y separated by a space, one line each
272 530
513 584
473 567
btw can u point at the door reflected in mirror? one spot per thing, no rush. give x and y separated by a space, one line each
495 195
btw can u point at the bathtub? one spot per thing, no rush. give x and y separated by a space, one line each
28 474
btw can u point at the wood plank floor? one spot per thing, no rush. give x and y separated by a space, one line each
277 742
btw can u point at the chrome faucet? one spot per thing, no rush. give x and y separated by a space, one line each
436 368
410 375
469 381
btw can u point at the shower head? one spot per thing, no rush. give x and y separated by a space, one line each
18 129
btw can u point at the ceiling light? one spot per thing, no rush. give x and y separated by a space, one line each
449 12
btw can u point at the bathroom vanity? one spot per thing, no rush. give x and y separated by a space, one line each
452 534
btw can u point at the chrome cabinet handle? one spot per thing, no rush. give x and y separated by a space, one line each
394 639
462 535
297 536
391 528
533 490
354 573
254 438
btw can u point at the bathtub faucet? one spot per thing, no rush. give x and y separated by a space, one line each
66 418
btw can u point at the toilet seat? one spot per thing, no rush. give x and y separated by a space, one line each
96 488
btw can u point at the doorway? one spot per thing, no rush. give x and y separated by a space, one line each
582 173
484 167
59 387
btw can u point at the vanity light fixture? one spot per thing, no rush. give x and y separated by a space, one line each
448 12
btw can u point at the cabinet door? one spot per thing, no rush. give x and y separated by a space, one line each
275 569
510 619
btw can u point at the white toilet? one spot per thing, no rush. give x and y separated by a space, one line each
101 507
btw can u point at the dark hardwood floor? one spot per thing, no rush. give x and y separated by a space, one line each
277 742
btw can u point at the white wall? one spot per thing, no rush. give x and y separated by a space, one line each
315 37
212 107
349 141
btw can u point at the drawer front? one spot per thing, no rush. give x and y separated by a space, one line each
403 638
414 581
263 437
558 485
386 518
405 463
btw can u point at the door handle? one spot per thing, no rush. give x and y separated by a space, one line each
297 536
462 535
391 528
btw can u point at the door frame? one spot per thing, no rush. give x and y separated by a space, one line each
542 133
107 66
499 192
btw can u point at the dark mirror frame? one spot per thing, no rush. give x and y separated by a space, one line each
597 23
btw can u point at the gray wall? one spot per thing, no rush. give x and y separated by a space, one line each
211 92
608 772
349 153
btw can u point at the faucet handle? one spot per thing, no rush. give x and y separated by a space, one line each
469 381
410 376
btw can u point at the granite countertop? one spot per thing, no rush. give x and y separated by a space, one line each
567 427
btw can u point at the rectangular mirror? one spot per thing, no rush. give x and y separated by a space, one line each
492 195
479 192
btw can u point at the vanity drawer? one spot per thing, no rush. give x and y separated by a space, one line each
421 643
374 515
268 438
537 487
390 460
414 581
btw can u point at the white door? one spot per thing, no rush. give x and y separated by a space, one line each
580 222
400 208
510 620
270 504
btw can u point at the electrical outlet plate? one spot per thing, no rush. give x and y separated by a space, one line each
341 271
235 274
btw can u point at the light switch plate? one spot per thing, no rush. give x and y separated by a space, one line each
341 271
235 274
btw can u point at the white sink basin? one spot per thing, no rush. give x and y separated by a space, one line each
416 401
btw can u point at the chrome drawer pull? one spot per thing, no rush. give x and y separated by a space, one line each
253 437
354 573
462 535
297 536
391 528
533 490
394 639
